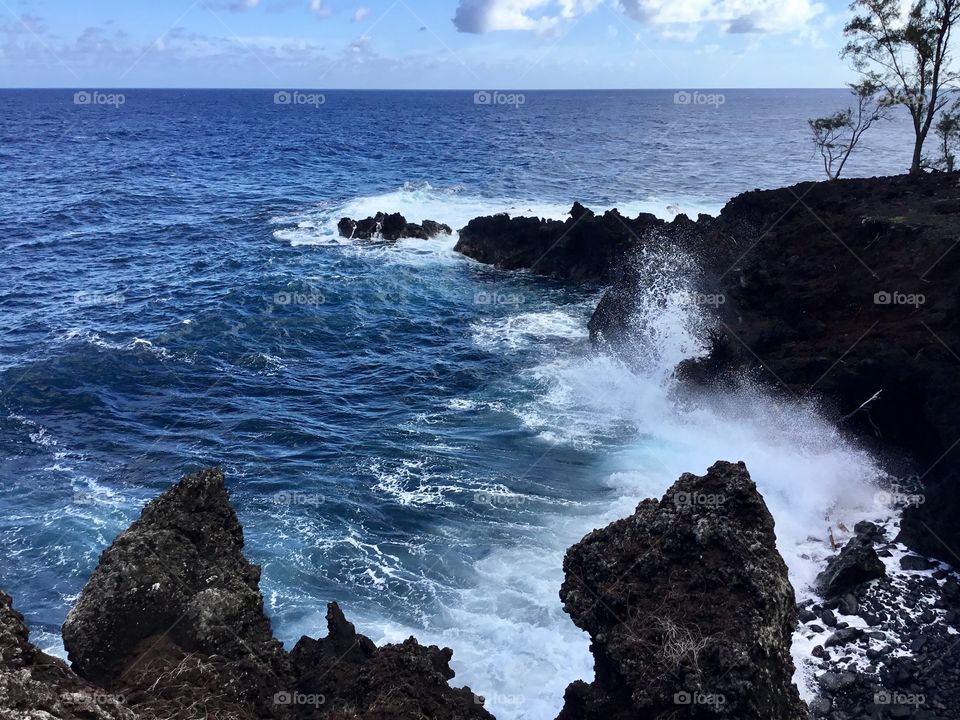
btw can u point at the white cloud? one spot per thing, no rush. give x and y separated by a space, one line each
483 16
735 16
680 32
239 5
320 8
361 14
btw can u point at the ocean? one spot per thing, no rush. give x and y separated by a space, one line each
405 431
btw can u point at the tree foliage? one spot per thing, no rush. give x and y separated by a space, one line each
907 54
948 134
836 136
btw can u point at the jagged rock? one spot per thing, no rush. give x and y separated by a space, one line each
855 564
35 686
432 228
688 606
584 248
176 584
390 227
172 619
346 675
845 289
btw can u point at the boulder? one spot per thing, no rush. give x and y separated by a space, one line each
389 227
688 606
915 562
854 565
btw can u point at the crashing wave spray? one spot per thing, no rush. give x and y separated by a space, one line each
810 477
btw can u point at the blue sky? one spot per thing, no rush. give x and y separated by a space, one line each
466 44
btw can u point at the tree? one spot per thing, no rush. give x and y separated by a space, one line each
907 55
836 136
948 132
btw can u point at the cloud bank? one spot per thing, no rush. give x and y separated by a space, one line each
733 16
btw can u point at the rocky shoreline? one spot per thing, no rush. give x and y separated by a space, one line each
883 641
171 626
842 291
687 604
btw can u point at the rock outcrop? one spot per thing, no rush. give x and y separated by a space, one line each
171 626
845 290
355 678
390 227
584 248
35 686
176 585
687 602
688 606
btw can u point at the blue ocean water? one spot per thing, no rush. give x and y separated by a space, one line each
405 431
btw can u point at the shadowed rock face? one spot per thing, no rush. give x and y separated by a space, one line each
584 248
688 607
822 286
35 686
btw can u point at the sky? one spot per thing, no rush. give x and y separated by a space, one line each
428 44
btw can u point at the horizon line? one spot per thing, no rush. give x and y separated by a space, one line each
464 89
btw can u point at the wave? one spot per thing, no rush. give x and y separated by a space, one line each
624 433
451 205
136 345
529 329
512 640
